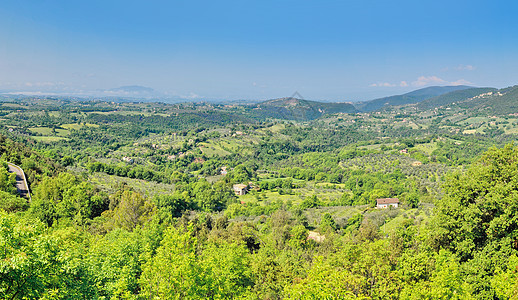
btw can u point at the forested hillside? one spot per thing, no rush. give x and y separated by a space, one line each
408 98
138 201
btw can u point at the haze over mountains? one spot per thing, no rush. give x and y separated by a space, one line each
291 108
499 101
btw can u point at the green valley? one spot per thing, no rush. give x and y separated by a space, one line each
273 200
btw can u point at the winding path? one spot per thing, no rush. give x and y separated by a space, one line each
21 181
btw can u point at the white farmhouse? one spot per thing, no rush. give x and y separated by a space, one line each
386 202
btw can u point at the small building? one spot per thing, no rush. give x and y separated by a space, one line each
403 151
127 159
240 189
386 202
224 171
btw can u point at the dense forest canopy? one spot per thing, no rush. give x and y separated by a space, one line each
144 201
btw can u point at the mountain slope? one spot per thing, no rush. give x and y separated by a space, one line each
453 97
298 109
500 102
408 98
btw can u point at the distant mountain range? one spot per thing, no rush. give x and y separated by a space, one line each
490 100
471 99
132 90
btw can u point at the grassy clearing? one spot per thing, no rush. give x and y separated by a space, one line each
376 146
78 126
48 139
266 196
129 113
47 131
109 183
273 129
228 145
339 213
512 130
62 132
470 131
72 126
41 130
421 214
325 192
14 105
427 148
212 149
475 120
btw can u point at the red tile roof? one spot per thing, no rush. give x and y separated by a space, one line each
387 200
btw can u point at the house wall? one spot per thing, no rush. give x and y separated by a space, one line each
387 205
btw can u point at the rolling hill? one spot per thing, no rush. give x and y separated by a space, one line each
498 102
453 97
298 109
408 98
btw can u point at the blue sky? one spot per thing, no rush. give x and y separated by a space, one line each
326 50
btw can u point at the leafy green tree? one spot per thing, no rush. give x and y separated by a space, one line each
37 265
310 202
115 261
66 197
178 271
172 205
12 203
362 271
299 237
478 217
7 180
132 210
240 174
354 222
480 207
173 272
505 281
446 281
327 223
226 269
324 281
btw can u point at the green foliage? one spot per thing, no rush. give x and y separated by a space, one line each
172 205
90 244
7 180
240 174
505 283
177 271
480 206
446 282
12 203
354 222
310 202
327 223
130 209
115 262
363 272
68 198
36 264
